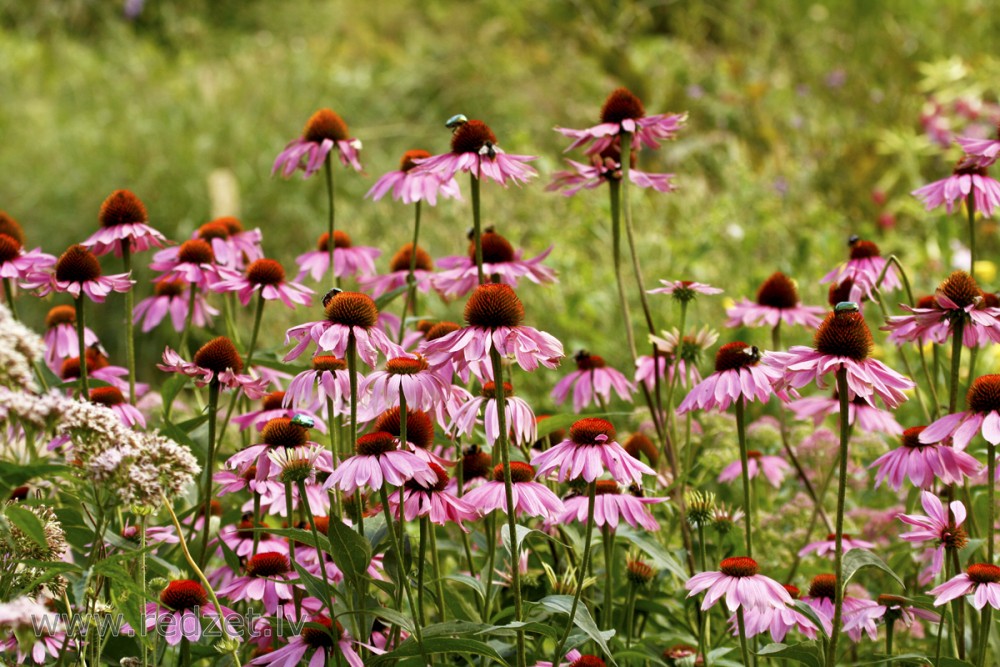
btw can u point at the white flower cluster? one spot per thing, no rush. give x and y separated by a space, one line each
20 347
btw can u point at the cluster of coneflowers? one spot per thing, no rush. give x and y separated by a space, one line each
383 487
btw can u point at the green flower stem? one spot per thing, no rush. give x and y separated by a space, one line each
491 549
129 327
741 434
184 658
581 574
438 574
890 625
303 499
608 541
81 326
477 225
984 635
421 562
614 191
185 334
838 554
956 364
970 206
331 226
257 317
256 520
142 577
206 493
626 148
704 618
197 570
404 580
352 371
410 304
741 624
504 447
8 293
630 614
991 491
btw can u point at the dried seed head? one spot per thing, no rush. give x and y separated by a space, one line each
218 355
374 444
11 228
739 566
283 432
266 272
195 251
352 309
984 394
183 594
325 124
961 288
401 260
519 472
492 306
267 565
407 162
496 249
587 431
77 265
621 105
778 291
736 355
471 136
340 240
122 208
844 334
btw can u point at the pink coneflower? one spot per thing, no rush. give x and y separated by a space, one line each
349 260
178 615
593 378
822 595
623 112
777 301
378 460
603 168
589 452
78 273
419 432
17 265
215 360
980 579
530 497
422 388
867 417
669 345
433 501
494 315
324 131
500 261
776 620
474 149
399 271
113 398
843 341
279 433
238 248
980 152
154 534
942 527
273 405
967 178
267 277
863 269
30 630
411 185
827 548
171 297
520 418
239 538
268 577
738 375
61 340
888 609
98 368
738 581
319 641
684 290
192 261
330 377
610 506
349 316
774 468
123 220
957 299
924 463
982 415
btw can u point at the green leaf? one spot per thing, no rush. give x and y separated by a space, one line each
232 560
388 297
808 653
522 534
433 645
28 523
314 585
394 618
661 558
911 658
856 559
13 475
169 391
350 551
583 620
510 629
469 581
299 535
809 613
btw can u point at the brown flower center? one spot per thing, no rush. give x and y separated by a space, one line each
273 400
268 565
375 444
961 288
437 487
266 272
407 162
219 354
823 586
475 463
107 396
406 365
328 362
71 367
587 661
638 572
983 573
607 487
736 355
864 249
169 288
793 591
440 330
401 260
494 305
586 431
778 291
283 432
844 334
77 265
984 394
739 566
496 249
965 168
419 426
519 472
245 529
325 124
927 301
954 537
317 638
340 240
11 228
9 248
586 361
122 208
195 251
471 136
60 315
911 438
621 105
213 230
840 293
489 390
183 594
232 225
352 309
638 443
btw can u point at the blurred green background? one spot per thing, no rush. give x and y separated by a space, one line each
804 127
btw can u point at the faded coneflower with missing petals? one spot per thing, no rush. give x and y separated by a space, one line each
740 584
981 416
411 185
965 180
123 221
941 527
774 468
842 341
603 168
957 300
350 260
981 580
624 112
266 277
777 301
611 505
863 269
592 379
399 271
828 547
501 262
520 418
215 360
669 345
867 417
324 131
349 316
739 375
924 463
589 452
173 297
378 460
530 497
77 272
474 149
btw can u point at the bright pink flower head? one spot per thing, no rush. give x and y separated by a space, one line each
589 452
316 640
822 591
624 112
328 375
266 277
737 580
474 149
957 299
193 261
16 264
982 415
349 260
530 497
828 547
604 170
378 461
123 221
684 290
61 340
501 261
774 468
519 416
612 506
411 375
867 417
78 272
889 609
842 341
592 379
183 604
925 464
980 152
268 578
863 269
942 527
172 297
967 179
776 620
411 185
433 501
777 301
217 360
399 272
982 580
739 375
324 132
